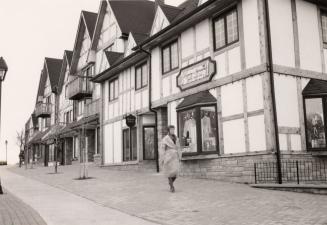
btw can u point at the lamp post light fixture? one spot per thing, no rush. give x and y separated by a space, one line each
3 72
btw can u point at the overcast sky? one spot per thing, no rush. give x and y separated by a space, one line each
29 31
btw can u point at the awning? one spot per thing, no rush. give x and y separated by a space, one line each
88 123
37 139
53 133
201 98
315 87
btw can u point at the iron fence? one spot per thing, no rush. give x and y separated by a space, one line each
293 171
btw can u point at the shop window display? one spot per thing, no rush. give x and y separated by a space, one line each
198 130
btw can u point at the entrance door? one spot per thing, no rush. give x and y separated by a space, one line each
129 145
148 143
46 155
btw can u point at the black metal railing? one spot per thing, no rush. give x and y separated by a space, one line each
293 171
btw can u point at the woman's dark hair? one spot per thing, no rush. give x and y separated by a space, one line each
168 128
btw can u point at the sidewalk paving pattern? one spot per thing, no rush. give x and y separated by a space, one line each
15 212
59 207
146 195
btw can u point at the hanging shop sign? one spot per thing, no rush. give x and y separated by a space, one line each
196 74
130 120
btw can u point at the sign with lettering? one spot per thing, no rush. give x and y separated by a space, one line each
130 120
196 74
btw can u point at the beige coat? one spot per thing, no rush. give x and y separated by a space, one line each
170 155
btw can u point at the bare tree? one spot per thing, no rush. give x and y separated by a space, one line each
20 141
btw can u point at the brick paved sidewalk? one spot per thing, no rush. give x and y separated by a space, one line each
15 212
195 202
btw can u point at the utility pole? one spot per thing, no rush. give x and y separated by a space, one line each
6 142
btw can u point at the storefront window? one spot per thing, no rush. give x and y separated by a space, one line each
188 133
208 129
198 129
129 145
148 143
316 137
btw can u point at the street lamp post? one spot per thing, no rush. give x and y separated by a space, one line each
6 142
3 72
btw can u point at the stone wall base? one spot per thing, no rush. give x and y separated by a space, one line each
143 166
236 168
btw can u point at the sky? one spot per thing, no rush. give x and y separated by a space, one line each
29 32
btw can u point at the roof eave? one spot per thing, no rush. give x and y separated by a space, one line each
119 66
208 8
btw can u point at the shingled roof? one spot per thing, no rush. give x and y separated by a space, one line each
113 57
134 16
53 68
67 59
171 12
90 19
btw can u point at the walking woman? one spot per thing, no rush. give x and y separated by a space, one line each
170 156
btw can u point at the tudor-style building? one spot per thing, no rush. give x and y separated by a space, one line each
41 145
242 81
124 82
211 75
84 94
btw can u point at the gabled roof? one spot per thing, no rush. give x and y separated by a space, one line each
113 57
134 16
138 38
171 12
187 6
67 59
69 56
53 68
87 23
90 20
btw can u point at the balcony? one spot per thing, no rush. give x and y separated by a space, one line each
43 110
92 108
79 88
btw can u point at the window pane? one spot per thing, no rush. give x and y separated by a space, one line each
208 129
220 33
134 144
187 129
126 145
315 123
144 75
111 91
138 78
166 60
148 140
324 27
116 89
174 55
232 27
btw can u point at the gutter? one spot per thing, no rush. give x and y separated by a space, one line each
152 110
270 67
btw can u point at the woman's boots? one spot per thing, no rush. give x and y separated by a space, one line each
171 183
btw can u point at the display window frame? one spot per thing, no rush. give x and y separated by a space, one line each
143 141
324 108
197 109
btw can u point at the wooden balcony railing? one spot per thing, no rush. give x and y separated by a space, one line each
79 88
43 110
92 108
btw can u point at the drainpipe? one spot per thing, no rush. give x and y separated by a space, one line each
270 67
152 110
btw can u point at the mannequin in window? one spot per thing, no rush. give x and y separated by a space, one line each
206 125
189 132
